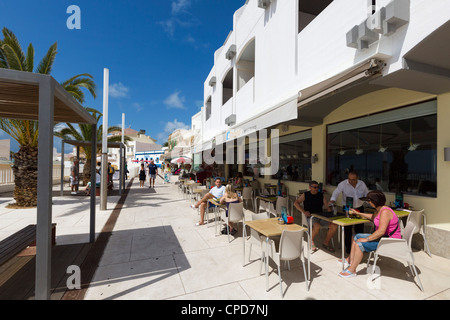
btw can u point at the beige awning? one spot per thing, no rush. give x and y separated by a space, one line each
317 101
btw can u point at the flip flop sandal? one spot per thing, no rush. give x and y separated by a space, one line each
331 249
346 264
314 248
349 274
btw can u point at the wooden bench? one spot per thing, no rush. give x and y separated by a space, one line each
19 241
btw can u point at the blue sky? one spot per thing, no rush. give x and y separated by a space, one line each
159 52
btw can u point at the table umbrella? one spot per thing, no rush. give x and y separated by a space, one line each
181 160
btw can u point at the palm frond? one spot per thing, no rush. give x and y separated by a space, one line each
3 62
12 58
79 81
13 51
29 62
46 64
75 92
25 132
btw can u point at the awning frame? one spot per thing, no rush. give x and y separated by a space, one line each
47 102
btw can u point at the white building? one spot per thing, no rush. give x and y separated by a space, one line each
180 142
349 84
139 144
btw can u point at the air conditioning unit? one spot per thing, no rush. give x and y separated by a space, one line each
212 82
231 52
366 36
264 3
397 15
231 120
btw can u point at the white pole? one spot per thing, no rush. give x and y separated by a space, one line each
123 127
104 168
122 154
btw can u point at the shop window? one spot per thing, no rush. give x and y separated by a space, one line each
295 157
395 151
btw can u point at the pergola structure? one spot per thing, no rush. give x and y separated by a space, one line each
79 144
39 97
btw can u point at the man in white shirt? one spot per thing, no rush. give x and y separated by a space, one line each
354 189
215 193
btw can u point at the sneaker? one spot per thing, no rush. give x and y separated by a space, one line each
193 207
233 232
225 230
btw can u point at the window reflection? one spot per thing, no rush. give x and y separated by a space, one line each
295 161
399 156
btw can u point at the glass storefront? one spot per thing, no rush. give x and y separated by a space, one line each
295 157
393 151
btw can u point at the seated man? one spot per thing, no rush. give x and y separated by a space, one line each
98 180
215 193
313 202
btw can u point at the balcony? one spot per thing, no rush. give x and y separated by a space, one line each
245 100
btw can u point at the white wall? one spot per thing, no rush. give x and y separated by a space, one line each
287 61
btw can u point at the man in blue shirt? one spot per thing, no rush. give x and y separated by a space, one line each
152 172
215 193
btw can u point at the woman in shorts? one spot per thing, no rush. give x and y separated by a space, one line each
386 225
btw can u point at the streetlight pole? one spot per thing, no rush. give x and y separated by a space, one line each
122 156
104 167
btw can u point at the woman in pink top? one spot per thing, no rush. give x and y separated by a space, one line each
386 225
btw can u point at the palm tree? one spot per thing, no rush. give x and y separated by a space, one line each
26 132
84 133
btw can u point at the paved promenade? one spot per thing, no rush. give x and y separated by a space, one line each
156 252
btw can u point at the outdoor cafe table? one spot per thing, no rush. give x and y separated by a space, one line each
200 191
186 184
342 221
270 199
270 228
271 188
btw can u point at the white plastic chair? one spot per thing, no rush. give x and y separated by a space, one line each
290 248
281 202
256 238
305 224
419 219
190 190
399 249
198 196
235 215
207 212
247 194
202 194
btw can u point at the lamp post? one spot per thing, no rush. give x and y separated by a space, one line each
104 167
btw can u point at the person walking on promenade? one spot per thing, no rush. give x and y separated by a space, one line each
152 172
142 176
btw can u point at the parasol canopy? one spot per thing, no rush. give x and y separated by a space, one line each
181 160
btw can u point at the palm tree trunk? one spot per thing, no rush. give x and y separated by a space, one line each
25 176
87 172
